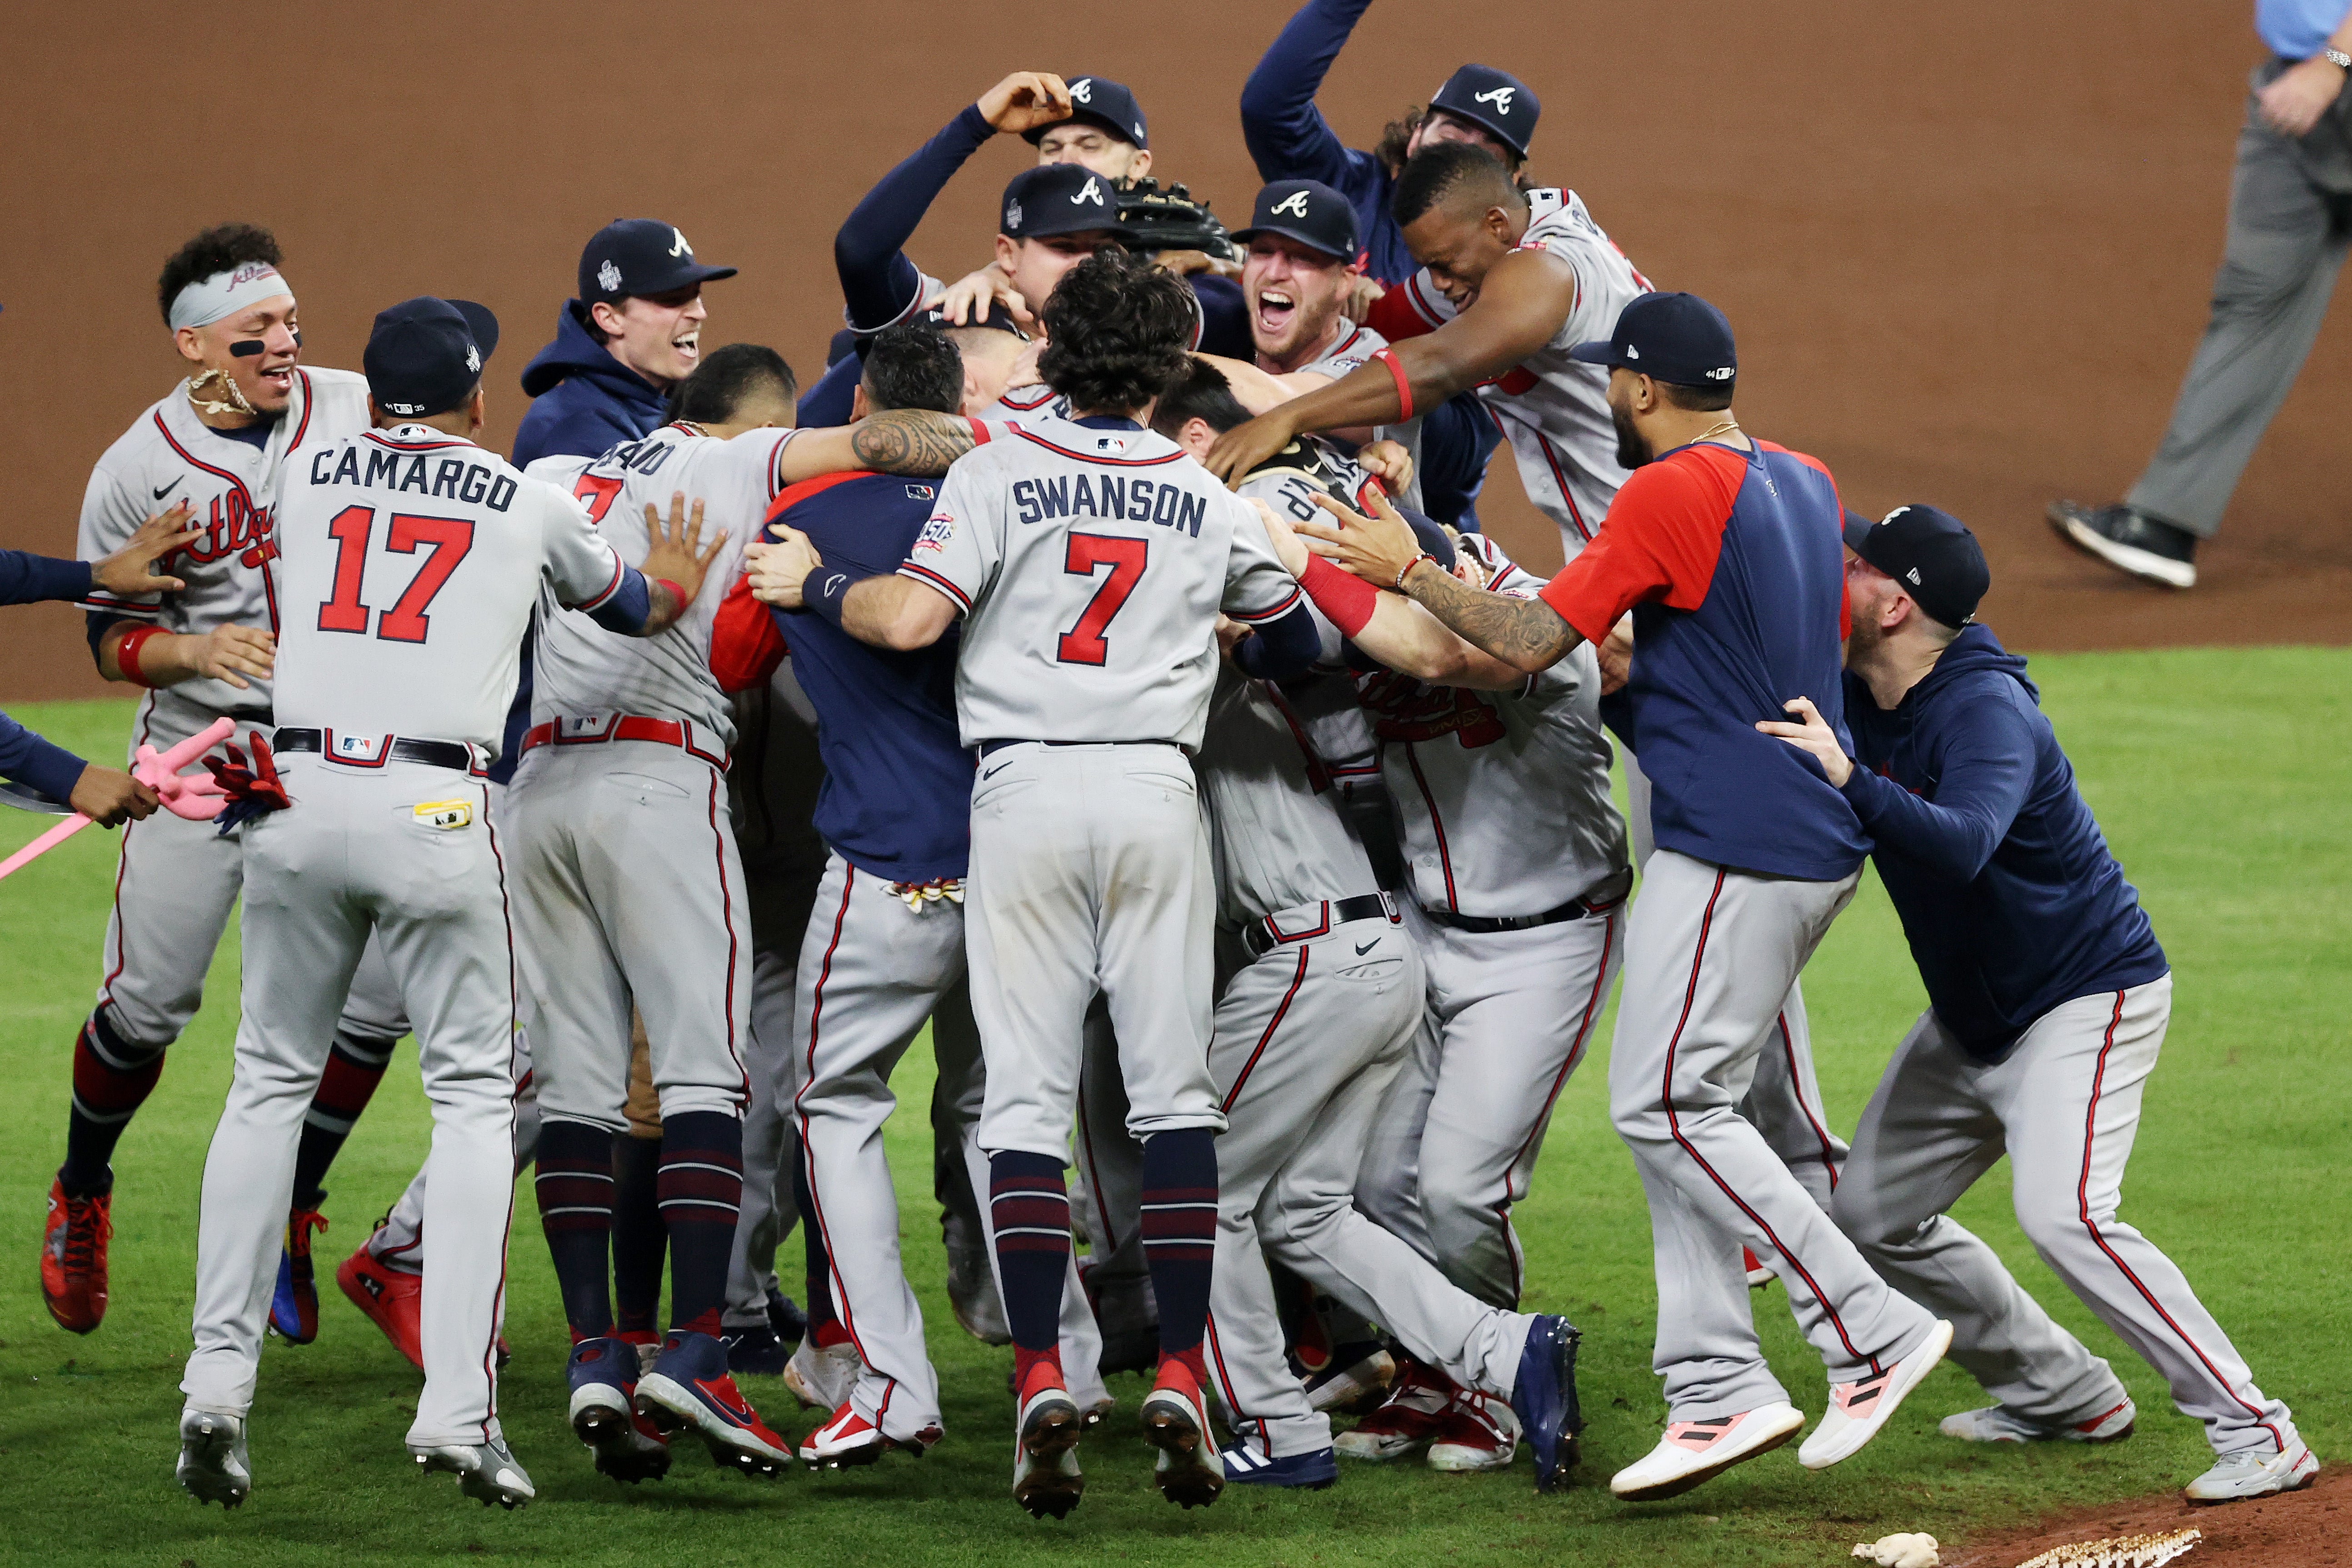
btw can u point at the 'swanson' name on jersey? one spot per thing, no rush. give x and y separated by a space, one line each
1107 496
454 478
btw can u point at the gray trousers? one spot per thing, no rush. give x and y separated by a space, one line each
2290 224
2065 1106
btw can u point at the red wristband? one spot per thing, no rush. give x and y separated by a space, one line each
1404 383
1346 600
681 594
126 653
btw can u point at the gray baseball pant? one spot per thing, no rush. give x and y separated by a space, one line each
2290 224
2065 1106
1711 953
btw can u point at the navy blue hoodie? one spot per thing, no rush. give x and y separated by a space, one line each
2009 896
585 401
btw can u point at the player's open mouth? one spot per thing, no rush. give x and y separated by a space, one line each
1274 309
278 380
689 346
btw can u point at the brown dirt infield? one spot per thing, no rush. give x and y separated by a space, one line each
1967 248
2309 1529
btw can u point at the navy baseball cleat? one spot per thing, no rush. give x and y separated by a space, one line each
755 1351
1544 1398
294 1307
1245 1465
212 1466
604 1377
785 1318
689 1387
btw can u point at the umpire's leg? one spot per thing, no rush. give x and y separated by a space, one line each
2288 233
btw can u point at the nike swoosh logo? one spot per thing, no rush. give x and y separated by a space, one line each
995 771
1367 947
169 489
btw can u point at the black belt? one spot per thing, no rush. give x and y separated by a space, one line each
990 747
1261 938
436 753
1598 899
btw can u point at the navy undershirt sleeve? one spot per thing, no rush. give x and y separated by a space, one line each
631 604
31 760
827 404
1281 649
1287 137
1984 752
28 579
879 285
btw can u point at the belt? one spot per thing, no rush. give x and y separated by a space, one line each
990 747
675 732
375 750
1598 899
1263 936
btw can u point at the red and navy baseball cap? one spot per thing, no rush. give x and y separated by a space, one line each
1931 553
1060 199
1676 337
1307 210
424 355
1098 100
1494 100
639 256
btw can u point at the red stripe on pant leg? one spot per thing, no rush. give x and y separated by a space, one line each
1225 1379
1558 1082
1267 1038
1673 1124
506 1232
727 910
841 1314
2083 1201
1789 1045
122 865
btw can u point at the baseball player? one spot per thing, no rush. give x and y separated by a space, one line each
1723 548
1083 680
2048 999
629 886
216 443
411 560
885 950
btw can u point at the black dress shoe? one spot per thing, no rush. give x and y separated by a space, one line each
2147 548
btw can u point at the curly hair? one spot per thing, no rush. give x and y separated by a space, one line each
217 249
1396 137
1118 332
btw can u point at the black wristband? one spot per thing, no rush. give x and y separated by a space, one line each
825 588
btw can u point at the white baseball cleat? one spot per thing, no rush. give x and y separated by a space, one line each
1357 1376
1693 1452
1417 1403
484 1470
1046 1474
1994 1425
1479 1433
1858 1410
212 1466
1189 1471
821 1379
2235 1477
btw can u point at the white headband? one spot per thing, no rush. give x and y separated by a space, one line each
224 294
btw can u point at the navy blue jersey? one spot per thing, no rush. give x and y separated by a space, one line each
896 797
2009 896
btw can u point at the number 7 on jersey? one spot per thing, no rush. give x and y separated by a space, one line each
1084 643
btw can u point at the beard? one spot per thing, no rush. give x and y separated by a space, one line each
1632 452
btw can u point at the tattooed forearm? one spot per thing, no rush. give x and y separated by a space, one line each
910 441
1524 633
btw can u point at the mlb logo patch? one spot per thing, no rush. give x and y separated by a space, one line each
922 493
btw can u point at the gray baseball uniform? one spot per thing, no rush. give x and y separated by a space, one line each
178 880
410 561
1089 861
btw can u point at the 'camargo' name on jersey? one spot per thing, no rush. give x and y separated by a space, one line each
455 477
1136 500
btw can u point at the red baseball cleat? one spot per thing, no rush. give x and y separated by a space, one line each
73 1258
389 1297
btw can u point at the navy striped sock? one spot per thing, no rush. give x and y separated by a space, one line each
640 1241
1179 1234
355 1065
701 1194
576 1210
111 1079
1029 1213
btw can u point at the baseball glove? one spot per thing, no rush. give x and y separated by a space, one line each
1172 219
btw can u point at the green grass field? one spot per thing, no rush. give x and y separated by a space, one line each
2222 777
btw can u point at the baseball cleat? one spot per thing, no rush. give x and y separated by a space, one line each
2235 1477
1417 1401
754 1352
821 1377
1758 1276
389 1297
73 1258
1693 1452
1477 1434
604 1376
1994 1425
785 1318
212 1466
2131 541
1176 1422
1354 1378
1858 1410
485 1471
645 1343
294 1306
1544 1398
848 1439
1245 1465
1045 1476
689 1387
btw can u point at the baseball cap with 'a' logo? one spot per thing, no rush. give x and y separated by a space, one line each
1307 210
1494 100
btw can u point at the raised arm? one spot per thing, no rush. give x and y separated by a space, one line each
1287 137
